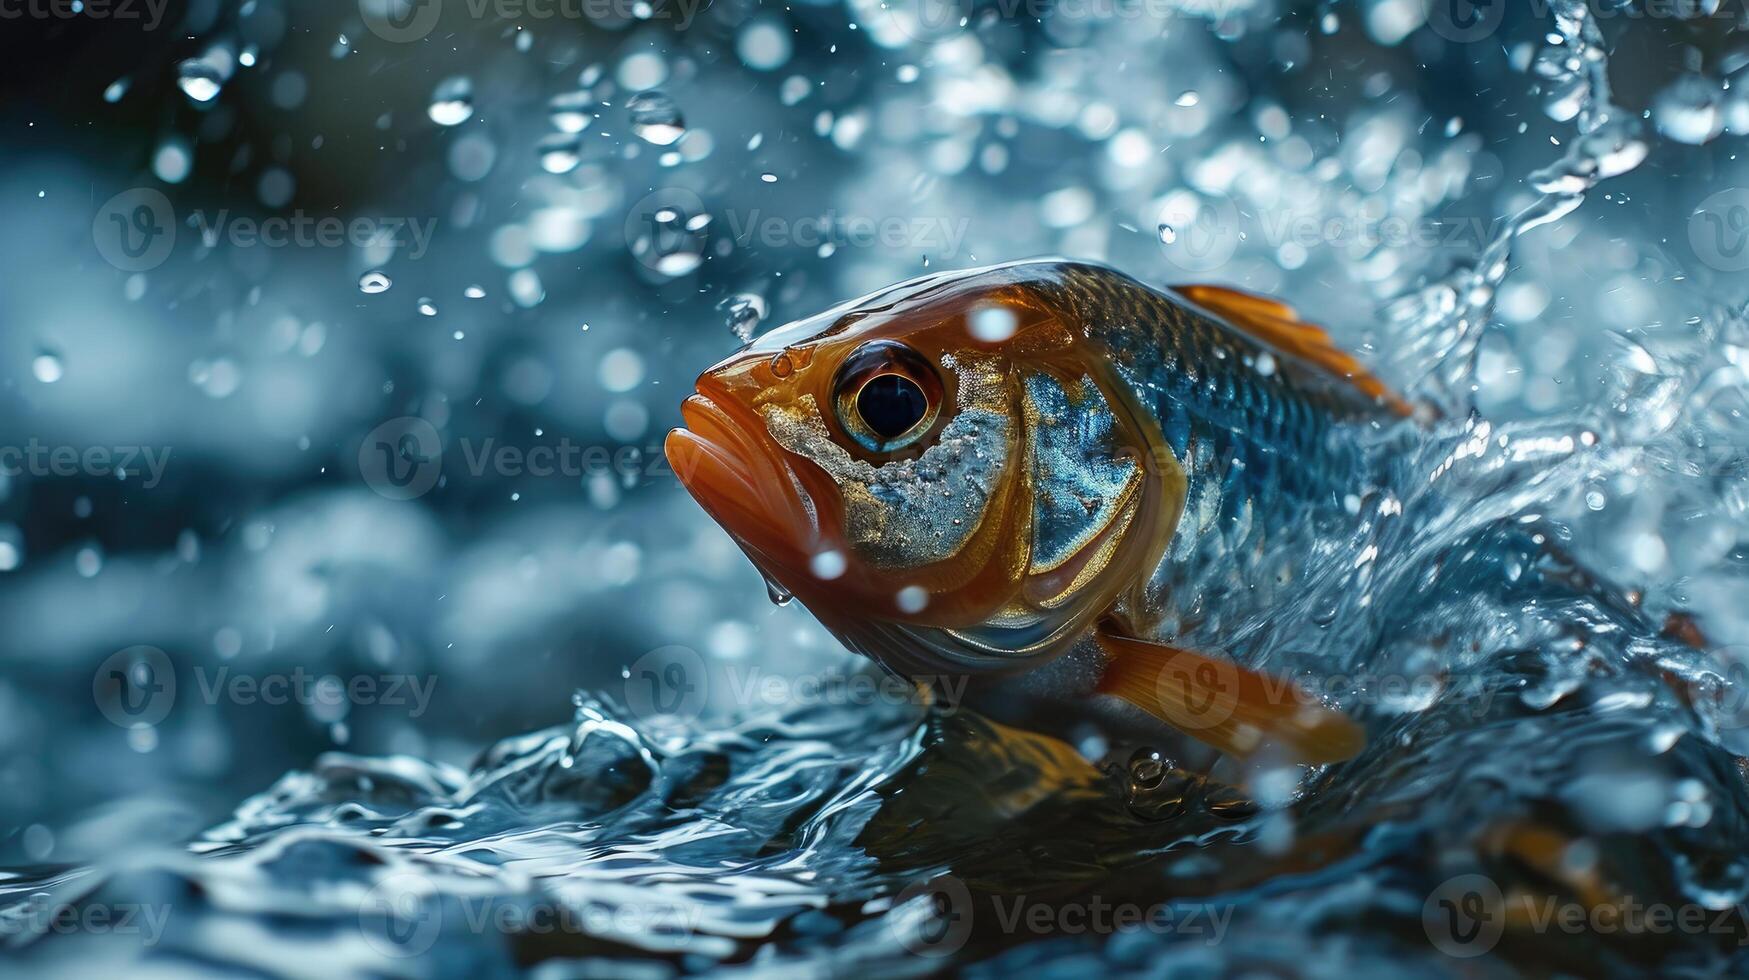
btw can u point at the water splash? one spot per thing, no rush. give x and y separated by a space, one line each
1441 326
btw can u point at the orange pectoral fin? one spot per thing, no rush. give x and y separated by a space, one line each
1235 710
1279 325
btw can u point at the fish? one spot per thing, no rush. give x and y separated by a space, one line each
1053 478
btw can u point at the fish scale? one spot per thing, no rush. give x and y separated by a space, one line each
1270 459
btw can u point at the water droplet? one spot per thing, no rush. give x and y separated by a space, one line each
526 289
452 102
199 79
570 112
678 263
827 565
559 153
374 282
912 599
11 547
1187 99
216 379
744 312
993 324
655 118
88 561
768 178
47 367
794 89
116 90
1168 234
474 292
1688 111
778 595
427 307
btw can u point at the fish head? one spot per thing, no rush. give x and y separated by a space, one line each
945 473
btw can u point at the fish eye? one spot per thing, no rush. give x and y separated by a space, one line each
887 396
891 404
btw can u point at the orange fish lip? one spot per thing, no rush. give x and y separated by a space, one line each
739 479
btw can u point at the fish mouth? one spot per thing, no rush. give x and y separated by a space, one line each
722 458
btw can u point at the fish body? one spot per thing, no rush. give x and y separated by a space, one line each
1273 447
1047 470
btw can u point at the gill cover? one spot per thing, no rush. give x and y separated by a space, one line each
982 497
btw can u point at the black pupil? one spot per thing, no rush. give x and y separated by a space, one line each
891 404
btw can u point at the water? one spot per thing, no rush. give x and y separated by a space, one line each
743 312
452 101
1538 620
655 118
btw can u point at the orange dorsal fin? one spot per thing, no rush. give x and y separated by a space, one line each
1277 324
1238 711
